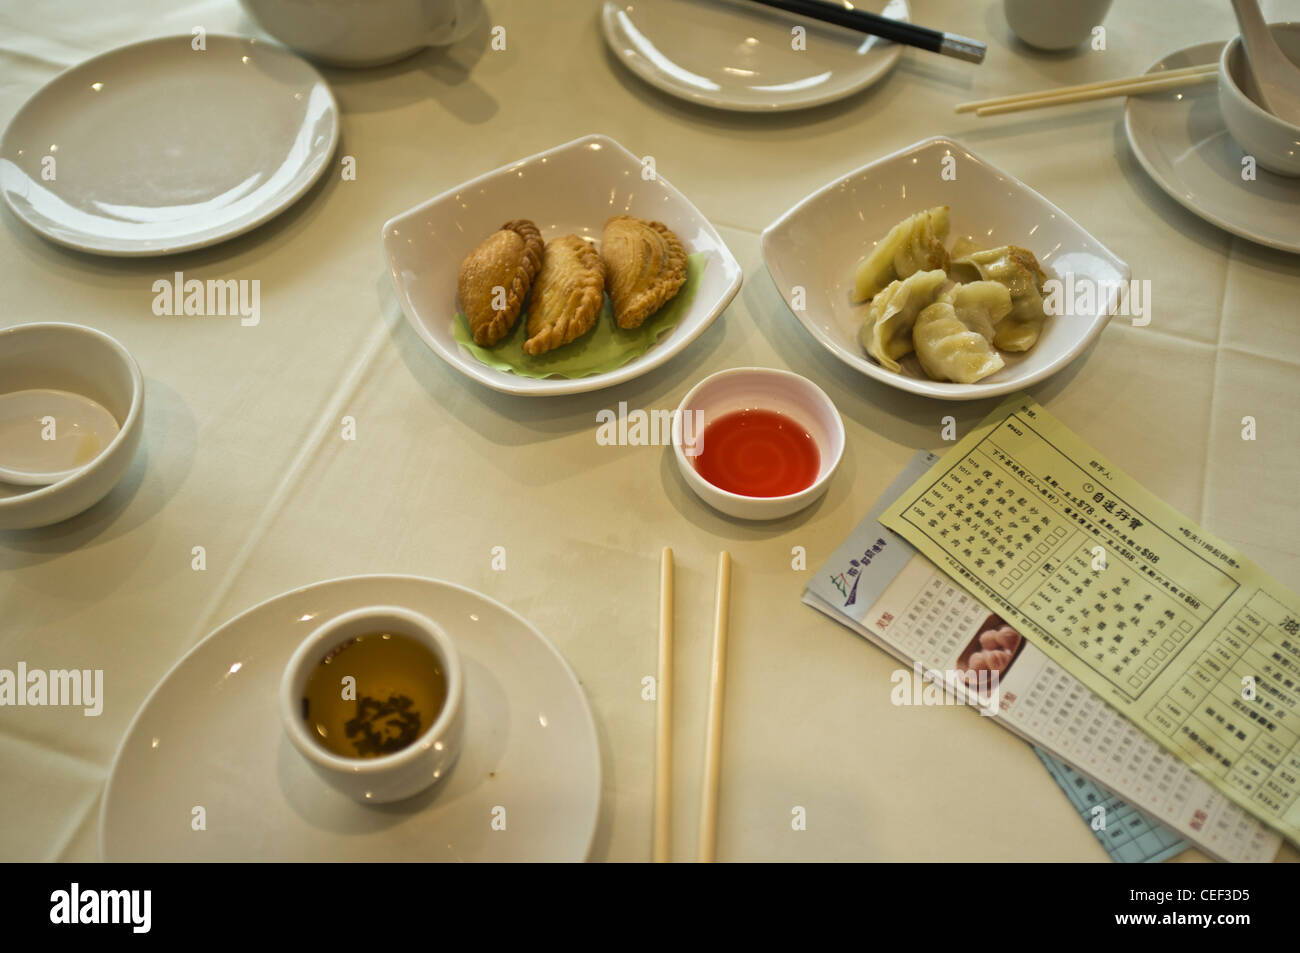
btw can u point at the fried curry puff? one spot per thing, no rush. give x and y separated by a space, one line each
567 296
496 277
645 266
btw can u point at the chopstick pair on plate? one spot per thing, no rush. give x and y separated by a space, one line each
708 837
1161 81
900 31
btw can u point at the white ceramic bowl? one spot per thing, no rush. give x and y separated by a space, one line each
404 773
70 357
1054 24
363 32
817 245
574 188
1275 144
760 388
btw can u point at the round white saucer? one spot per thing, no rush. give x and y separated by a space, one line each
157 147
525 788
740 56
1180 139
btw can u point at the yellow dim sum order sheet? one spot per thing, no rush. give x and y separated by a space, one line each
1172 626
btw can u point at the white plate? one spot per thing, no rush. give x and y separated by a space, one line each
574 188
1180 139
740 56
157 147
818 244
209 736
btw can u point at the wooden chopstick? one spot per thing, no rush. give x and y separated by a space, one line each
1131 89
708 846
900 31
1087 92
664 717
1082 87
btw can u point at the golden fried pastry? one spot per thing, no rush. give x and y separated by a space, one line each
567 295
645 266
495 278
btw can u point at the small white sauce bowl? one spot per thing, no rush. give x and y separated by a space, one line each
759 388
1274 144
390 777
81 360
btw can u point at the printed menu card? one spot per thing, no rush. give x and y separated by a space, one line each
1170 625
878 585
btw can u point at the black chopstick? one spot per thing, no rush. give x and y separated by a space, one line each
936 41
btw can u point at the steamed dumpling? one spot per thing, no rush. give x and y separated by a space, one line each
1018 270
914 244
887 331
980 305
1020 330
1013 266
949 350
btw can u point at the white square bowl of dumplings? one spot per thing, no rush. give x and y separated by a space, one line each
813 251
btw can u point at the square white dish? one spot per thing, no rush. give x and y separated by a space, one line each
573 188
818 243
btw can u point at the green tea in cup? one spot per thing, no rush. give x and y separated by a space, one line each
373 695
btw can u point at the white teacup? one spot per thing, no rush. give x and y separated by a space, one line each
1054 24
390 777
363 32
1273 142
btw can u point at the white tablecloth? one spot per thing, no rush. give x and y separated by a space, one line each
242 452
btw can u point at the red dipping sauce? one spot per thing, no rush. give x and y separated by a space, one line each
758 453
